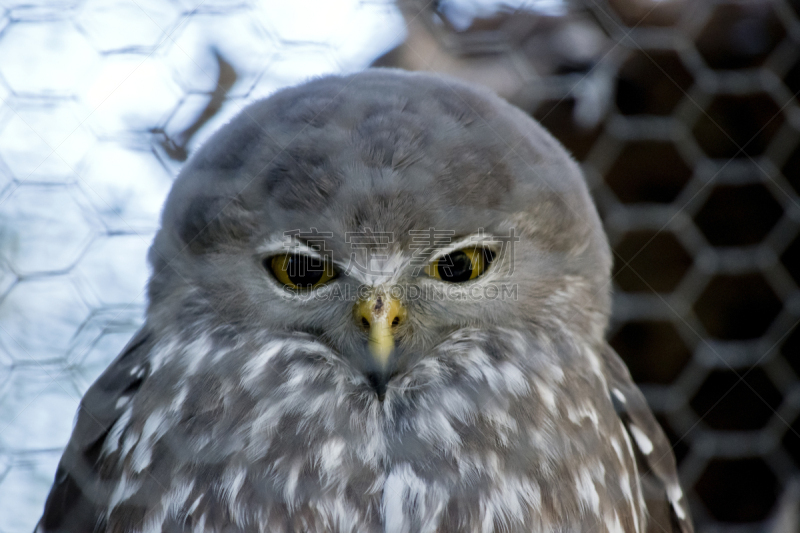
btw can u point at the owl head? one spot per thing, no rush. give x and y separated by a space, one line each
379 214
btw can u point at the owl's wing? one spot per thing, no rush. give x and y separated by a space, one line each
666 503
78 497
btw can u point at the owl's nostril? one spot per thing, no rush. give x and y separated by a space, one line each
396 321
364 322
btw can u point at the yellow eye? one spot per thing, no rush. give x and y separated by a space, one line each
300 271
461 265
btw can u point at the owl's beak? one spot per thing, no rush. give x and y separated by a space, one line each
379 315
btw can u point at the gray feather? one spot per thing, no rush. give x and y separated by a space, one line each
246 407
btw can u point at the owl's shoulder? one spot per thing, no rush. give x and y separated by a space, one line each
666 503
78 497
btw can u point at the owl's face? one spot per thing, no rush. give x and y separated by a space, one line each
380 220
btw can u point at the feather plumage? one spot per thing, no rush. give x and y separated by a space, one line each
242 406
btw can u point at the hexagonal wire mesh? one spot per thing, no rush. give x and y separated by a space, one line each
682 113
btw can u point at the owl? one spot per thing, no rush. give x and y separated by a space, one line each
378 304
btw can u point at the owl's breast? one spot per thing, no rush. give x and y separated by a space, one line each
490 432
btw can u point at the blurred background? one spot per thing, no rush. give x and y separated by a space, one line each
683 113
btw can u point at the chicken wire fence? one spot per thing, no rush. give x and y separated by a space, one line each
683 114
